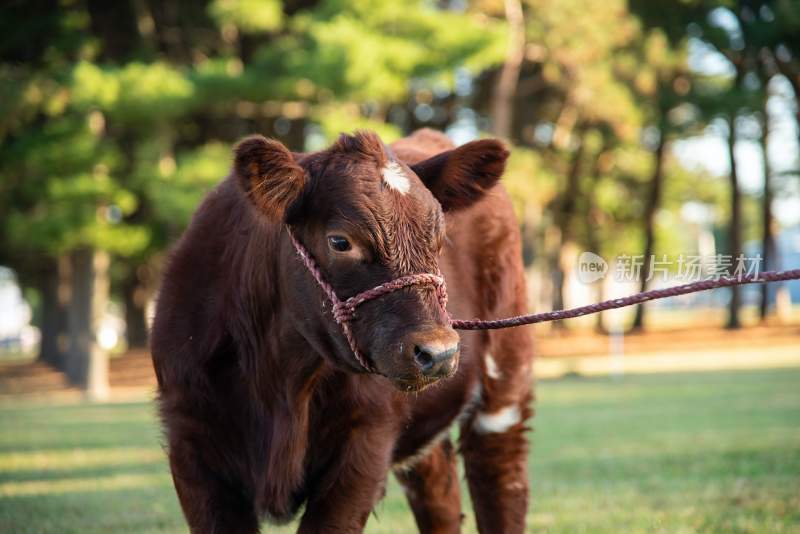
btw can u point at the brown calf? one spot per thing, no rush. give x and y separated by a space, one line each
266 407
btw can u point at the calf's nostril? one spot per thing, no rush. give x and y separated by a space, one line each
434 359
424 358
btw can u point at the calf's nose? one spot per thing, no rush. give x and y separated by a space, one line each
434 351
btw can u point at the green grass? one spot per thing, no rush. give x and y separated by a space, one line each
714 452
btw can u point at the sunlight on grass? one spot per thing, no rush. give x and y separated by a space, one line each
83 484
679 453
78 458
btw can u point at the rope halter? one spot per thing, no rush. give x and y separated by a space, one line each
344 311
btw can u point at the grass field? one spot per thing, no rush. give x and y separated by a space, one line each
714 452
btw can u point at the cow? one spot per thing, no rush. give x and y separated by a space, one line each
265 405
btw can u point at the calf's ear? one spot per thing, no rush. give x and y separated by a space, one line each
461 176
269 175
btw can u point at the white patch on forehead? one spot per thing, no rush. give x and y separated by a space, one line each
395 177
498 422
491 368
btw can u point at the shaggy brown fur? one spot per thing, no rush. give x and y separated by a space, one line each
265 407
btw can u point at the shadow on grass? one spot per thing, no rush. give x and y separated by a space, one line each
155 467
150 507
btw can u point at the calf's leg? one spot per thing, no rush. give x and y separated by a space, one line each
493 440
342 498
210 504
431 487
496 468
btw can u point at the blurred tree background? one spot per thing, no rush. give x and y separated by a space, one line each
117 117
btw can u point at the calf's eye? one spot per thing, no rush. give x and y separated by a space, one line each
339 243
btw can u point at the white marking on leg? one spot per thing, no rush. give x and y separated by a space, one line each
473 400
408 463
395 177
497 422
515 486
491 368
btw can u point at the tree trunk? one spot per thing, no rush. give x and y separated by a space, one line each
54 317
593 221
87 362
653 203
767 238
504 91
735 226
563 219
134 295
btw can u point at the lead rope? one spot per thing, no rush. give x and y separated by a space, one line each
344 311
703 285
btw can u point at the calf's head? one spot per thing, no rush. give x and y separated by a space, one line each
368 218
